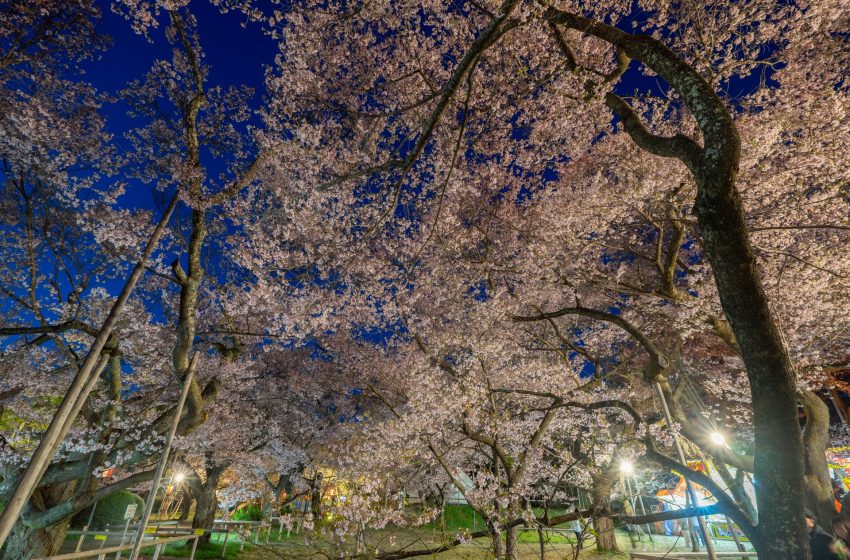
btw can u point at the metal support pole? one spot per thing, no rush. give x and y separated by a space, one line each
709 546
187 382
123 536
637 500
735 538
77 393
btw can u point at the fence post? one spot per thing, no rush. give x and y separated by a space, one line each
194 547
82 536
226 535
102 544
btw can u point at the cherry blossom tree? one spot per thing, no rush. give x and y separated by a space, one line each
399 112
500 226
70 237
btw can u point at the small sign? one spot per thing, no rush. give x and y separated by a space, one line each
100 537
130 512
150 530
199 531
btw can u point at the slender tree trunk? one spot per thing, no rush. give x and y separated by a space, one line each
541 540
735 484
498 545
818 488
510 543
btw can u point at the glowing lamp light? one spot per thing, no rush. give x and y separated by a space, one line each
718 438
627 467
179 477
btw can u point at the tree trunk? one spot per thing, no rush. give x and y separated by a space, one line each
818 488
541 540
205 508
603 524
778 443
186 505
714 165
498 545
206 504
735 484
510 543
25 543
316 496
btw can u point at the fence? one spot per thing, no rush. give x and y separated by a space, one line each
684 555
162 533
104 551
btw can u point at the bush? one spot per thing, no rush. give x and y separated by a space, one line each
110 511
248 512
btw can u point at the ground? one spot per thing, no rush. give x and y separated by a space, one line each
559 548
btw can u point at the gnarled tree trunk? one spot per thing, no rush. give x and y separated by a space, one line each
603 524
28 541
25 543
206 503
605 537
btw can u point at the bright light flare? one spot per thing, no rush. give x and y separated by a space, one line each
718 438
179 477
627 467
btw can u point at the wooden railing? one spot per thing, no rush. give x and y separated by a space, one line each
101 553
162 533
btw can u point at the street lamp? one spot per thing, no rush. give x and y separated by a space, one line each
179 477
626 467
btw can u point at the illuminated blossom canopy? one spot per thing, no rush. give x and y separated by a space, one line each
446 245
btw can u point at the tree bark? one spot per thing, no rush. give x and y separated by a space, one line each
510 543
25 543
316 496
603 524
498 545
206 503
818 488
186 505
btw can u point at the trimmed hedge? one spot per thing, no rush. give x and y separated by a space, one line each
110 511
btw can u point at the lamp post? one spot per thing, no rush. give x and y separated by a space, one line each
709 546
627 469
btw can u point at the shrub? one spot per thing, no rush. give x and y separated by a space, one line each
248 512
110 511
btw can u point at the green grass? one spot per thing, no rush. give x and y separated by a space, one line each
463 517
549 537
457 517
212 550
